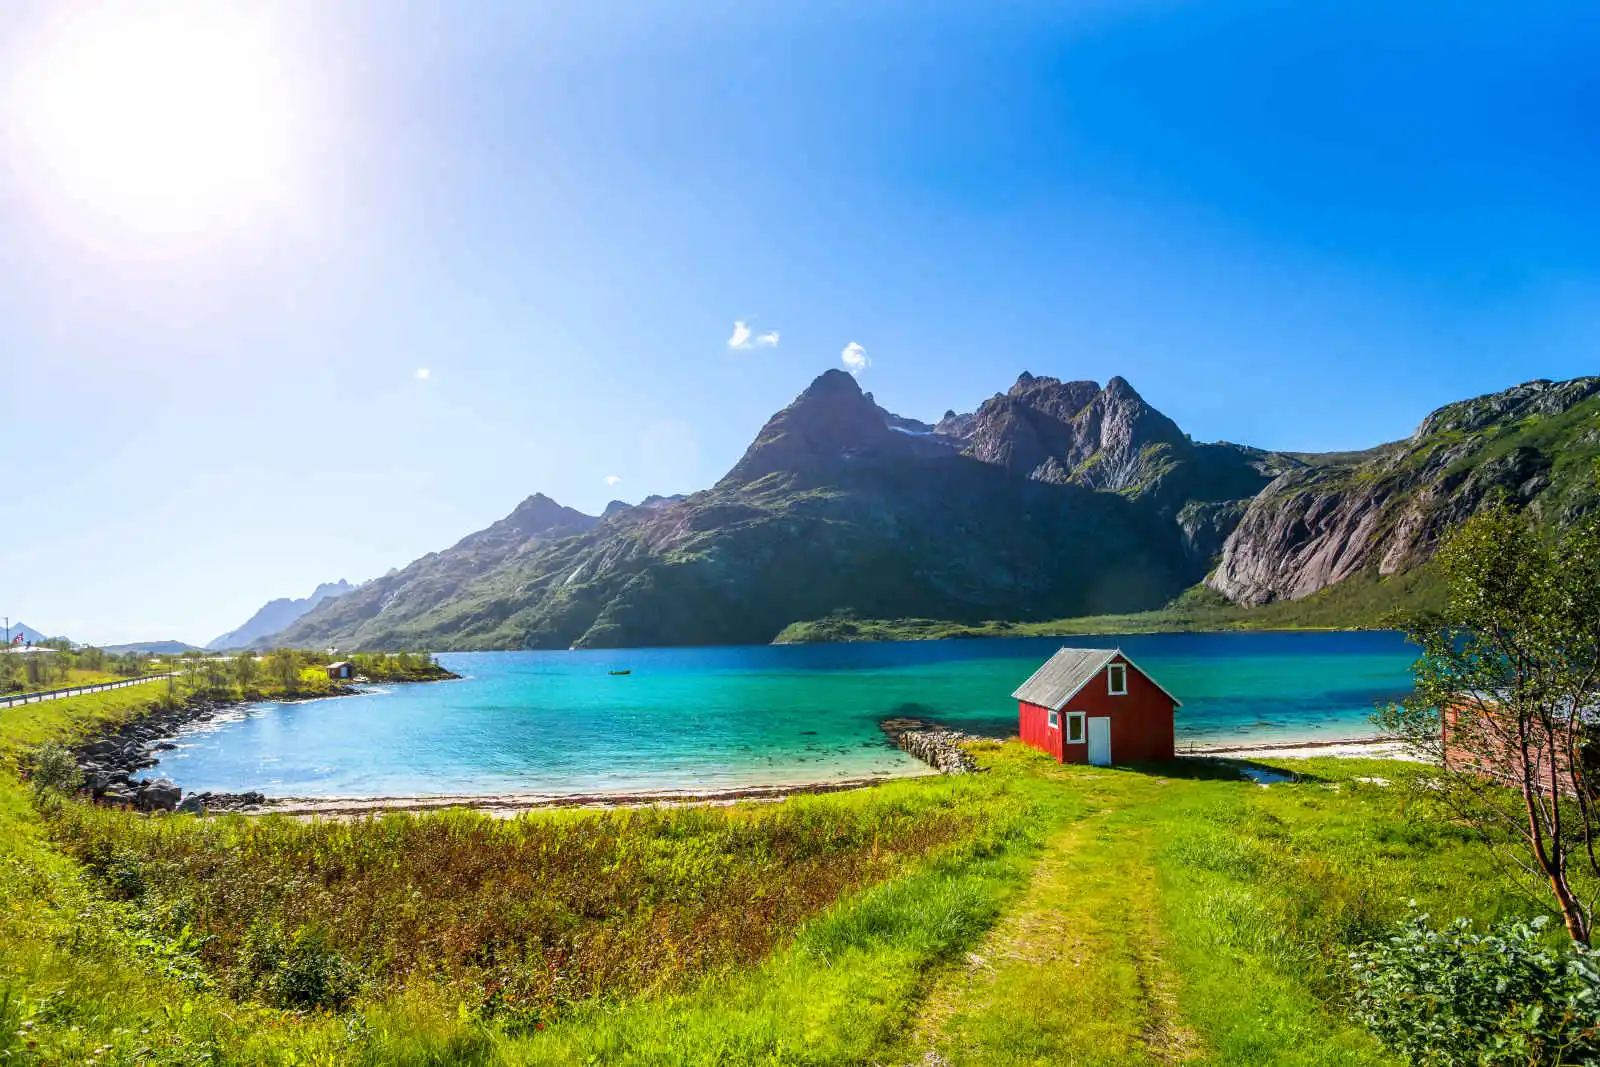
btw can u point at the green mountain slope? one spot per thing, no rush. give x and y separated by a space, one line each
1053 501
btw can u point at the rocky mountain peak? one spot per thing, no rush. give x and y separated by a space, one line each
832 421
538 514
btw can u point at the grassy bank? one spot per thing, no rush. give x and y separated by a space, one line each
1363 602
1033 913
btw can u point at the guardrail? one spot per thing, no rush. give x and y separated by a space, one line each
75 690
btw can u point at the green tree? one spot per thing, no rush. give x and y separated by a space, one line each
283 667
1506 698
245 671
216 674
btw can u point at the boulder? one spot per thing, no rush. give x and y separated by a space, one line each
162 794
192 805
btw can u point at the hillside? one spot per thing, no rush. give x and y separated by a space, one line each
1383 513
153 648
276 615
1053 501
1034 507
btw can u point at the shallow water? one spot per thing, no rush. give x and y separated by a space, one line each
559 722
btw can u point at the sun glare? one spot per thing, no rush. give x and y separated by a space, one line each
161 121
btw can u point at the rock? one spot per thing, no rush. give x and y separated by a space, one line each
118 795
165 746
192 805
1386 510
938 747
162 794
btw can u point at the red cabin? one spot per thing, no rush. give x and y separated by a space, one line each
1094 705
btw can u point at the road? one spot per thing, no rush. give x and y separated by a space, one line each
72 691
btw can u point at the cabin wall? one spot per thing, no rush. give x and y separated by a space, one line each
1141 721
1033 726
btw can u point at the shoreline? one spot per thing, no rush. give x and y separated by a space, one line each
509 804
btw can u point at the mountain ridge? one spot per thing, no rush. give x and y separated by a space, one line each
1053 499
276 615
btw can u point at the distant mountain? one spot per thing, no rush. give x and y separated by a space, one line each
30 636
153 648
389 604
1055 498
278 614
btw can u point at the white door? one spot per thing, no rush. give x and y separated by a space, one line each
1100 741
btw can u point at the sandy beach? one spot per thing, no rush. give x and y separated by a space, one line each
508 804
505 805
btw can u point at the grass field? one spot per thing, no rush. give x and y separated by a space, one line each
1030 914
1363 602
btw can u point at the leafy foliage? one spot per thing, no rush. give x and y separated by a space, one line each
532 913
1455 997
53 769
1505 693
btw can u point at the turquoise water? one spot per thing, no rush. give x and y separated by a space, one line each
558 722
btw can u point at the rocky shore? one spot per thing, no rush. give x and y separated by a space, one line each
937 746
113 764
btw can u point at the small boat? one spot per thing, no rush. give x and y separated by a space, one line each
621 672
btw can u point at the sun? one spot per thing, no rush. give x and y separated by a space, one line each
156 119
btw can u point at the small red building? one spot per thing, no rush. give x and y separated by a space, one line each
1094 705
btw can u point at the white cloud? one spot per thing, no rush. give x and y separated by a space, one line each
854 358
422 374
744 338
612 479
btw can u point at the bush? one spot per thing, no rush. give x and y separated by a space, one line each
303 972
1453 996
52 768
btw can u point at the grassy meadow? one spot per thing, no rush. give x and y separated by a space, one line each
1361 602
1030 914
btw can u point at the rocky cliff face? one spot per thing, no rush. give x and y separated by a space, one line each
1314 526
1076 433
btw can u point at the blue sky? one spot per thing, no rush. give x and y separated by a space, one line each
1296 226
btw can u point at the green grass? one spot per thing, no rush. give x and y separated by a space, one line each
1361 602
1031 914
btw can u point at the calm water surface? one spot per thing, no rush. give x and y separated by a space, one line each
558 722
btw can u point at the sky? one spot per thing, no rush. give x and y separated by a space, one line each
301 291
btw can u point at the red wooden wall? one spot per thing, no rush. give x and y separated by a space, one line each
1034 728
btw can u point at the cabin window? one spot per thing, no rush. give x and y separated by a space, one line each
1055 720
1075 727
1118 673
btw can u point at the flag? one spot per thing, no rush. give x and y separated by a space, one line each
17 640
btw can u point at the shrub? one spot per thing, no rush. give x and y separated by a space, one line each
303 972
1453 996
52 768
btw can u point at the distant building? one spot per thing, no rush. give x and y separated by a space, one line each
342 671
1094 705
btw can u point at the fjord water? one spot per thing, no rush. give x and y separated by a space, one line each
561 723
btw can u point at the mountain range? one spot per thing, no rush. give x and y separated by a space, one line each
1055 498
276 615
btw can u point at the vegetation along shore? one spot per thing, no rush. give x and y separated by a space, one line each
127 730
1220 909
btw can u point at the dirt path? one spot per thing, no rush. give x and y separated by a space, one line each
1073 972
